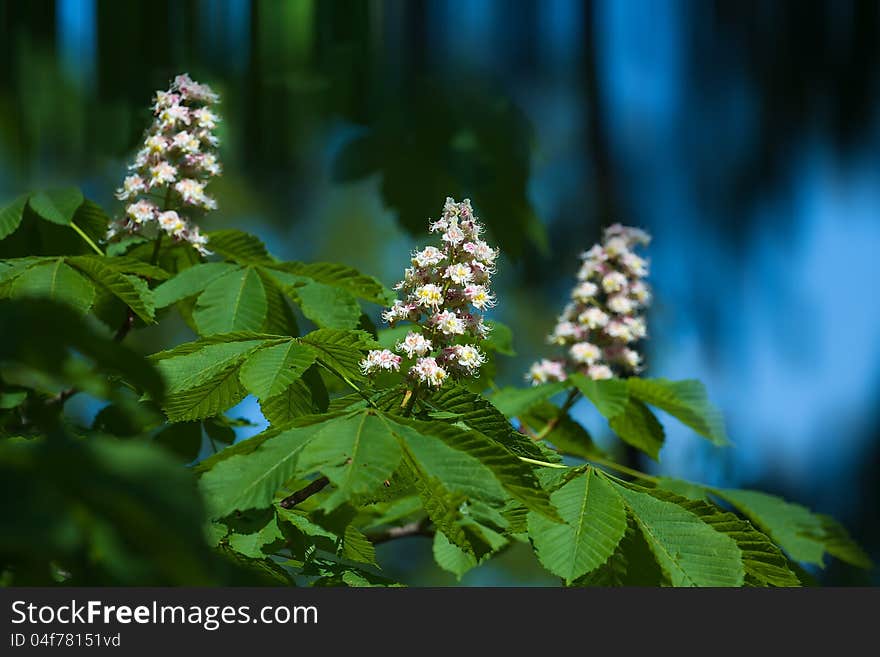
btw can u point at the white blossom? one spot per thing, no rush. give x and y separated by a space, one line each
380 359
414 344
602 323
174 164
445 291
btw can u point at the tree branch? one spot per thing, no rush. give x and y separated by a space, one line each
305 493
416 528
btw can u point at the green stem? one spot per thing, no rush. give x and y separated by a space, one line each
545 464
88 240
410 400
348 382
573 396
158 244
624 469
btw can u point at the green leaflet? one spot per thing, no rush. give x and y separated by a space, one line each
478 413
595 521
205 382
57 206
131 290
514 401
689 551
56 281
356 547
632 564
341 350
803 535
11 215
279 317
639 427
271 370
190 281
250 479
460 458
452 558
448 510
609 397
685 400
764 562
214 373
239 246
298 399
356 452
343 277
187 371
325 305
235 301
259 544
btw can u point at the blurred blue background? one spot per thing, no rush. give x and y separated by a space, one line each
743 135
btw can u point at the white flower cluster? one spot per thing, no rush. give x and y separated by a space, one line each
445 292
166 187
603 320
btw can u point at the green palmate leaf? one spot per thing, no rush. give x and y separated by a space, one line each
250 478
356 452
57 206
514 401
131 290
327 306
460 458
608 396
763 561
190 281
341 350
690 552
356 547
10 216
343 277
205 382
638 426
239 246
235 301
56 281
270 371
595 521
803 535
684 400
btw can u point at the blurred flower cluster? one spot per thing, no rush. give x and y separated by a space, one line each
166 188
445 292
604 320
